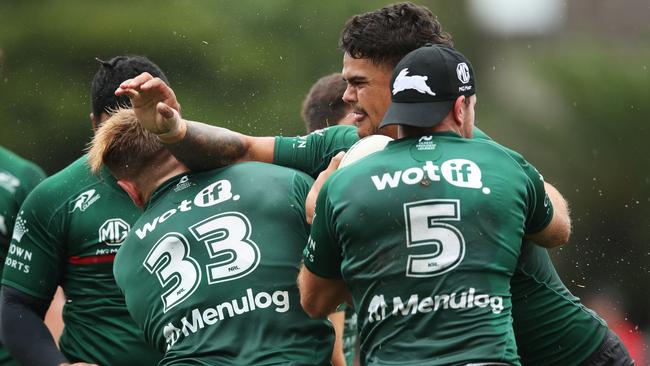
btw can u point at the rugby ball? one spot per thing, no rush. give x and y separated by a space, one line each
363 148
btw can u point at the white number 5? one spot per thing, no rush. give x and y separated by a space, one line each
423 228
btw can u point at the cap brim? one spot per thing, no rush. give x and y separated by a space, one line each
417 114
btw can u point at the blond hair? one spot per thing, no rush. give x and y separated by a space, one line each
125 147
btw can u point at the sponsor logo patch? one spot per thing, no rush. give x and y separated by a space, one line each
461 173
379 309
20 228
416 82
183 184
201 318
113 231
3 226
84 200
9 182
215 193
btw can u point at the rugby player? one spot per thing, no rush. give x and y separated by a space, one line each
551 325
17 178
323 107
427 232
72 225
208 271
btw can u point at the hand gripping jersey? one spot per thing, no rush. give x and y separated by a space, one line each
551 325
209 270
426 234
17 178
67 234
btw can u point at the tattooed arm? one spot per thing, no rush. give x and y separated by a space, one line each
206 147
199 146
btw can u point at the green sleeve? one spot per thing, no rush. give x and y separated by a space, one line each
322 255
312 153
540 209
34 261
30 177
300 187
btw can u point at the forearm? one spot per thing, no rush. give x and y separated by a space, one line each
23 332
320 296
206 147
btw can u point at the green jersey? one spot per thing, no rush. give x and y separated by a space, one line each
552 327
426 235
17 178
67 234
209 270
539 297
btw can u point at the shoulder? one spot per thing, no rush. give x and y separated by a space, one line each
74 182
259 172
18 173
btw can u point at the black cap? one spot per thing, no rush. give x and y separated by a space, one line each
425 85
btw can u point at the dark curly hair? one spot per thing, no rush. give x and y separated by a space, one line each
386 35
111 74
323 106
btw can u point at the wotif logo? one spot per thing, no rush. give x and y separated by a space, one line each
457 172
84 200
217 192
113 231
415 82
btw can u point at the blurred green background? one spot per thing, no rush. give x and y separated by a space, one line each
566 83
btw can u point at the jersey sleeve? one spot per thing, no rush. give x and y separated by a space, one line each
34 261
30 177
540 209
322 255
300 186
312 153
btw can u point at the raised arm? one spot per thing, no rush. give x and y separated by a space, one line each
199 146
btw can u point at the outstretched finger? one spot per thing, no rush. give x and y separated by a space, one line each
168 96
137 81
131 93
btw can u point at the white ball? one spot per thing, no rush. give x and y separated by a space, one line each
363 148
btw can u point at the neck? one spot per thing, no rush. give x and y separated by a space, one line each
167 170
444 126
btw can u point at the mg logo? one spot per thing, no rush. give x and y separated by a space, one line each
462 70
113 231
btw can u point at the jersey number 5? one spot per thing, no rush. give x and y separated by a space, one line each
227 239
425 229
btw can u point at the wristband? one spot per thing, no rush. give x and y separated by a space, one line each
174 135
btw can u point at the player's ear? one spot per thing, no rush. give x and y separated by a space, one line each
132 190
94 121
459 110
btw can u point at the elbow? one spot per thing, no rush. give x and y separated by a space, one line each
309 308
563 232
557 234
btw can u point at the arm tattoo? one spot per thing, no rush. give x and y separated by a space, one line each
206 147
